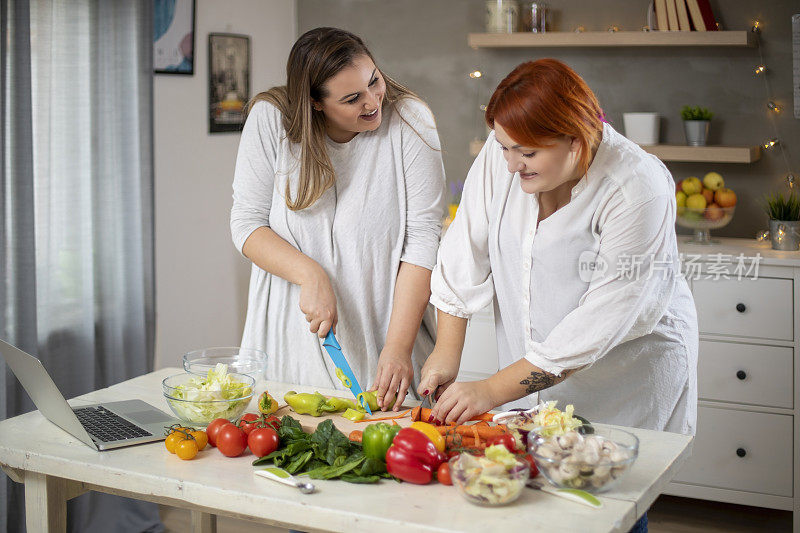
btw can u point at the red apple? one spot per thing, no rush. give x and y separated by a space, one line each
714 212
709 194
725 197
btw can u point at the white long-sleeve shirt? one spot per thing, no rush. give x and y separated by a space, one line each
385 208
596 284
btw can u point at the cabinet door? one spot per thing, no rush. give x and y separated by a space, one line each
741 451
479 358
746 373
759 308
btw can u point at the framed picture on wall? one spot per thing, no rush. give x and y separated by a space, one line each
228 81
173 36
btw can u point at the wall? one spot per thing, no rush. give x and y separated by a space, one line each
424 45
201 280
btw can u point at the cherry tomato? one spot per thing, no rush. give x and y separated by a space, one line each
443 474
506 439
200 438
531 463
273 421
213 429
263 441
171 442
231 440
247 422
186 449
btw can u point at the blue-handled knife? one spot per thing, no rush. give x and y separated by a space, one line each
334 350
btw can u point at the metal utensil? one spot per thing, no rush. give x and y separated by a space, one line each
349 380
282 476
575 495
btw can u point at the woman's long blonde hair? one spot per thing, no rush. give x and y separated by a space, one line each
317 56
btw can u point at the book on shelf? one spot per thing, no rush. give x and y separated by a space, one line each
701 15
661 15
672 16
683 15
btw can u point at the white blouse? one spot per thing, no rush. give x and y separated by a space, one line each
596 285
386 207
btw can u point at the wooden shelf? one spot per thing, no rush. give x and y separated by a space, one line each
686 154
608 39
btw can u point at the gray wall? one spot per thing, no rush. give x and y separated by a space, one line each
423 44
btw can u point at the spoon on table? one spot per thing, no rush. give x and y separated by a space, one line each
282 476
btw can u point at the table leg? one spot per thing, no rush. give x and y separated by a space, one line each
204 522
45 503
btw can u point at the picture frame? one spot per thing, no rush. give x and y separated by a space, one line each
228 81
173 36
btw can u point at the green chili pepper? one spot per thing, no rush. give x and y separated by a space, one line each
377 438
354 415
339 404
370 397
316 404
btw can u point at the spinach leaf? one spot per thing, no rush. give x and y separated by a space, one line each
299 461
329 443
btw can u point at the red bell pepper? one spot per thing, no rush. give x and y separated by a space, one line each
413 457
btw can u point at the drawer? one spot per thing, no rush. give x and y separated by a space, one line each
746 373
760 308
764 442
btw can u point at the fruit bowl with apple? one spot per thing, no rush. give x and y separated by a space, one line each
704 205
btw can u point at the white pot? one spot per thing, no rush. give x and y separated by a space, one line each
642 128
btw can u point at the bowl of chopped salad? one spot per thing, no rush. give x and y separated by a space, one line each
200 399
545 420
493 479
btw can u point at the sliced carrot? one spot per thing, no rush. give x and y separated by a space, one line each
401 415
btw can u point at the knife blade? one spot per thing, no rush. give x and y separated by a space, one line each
334 350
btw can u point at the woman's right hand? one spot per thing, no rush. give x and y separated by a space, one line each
438 373
318 302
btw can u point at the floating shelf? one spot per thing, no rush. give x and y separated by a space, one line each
606 38
686 154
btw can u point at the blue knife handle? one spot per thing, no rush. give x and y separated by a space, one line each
334 350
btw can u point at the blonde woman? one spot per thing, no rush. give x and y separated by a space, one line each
338 201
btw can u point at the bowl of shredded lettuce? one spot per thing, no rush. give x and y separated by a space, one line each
200 399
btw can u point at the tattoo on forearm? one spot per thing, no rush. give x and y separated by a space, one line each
538 381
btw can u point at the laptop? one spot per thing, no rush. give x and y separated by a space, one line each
102 426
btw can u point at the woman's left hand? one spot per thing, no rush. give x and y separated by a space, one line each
461 401
393 377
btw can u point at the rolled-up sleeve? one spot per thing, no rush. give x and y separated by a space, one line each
461 283
254 178
424 184
629 299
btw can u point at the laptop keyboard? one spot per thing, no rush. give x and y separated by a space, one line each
106 426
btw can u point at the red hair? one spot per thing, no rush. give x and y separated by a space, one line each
543 100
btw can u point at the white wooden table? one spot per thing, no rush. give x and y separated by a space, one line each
56 467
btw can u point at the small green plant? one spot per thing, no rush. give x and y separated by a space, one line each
779 207
695 113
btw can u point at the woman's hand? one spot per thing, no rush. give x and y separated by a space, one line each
393 377
318 302
438 373
462 401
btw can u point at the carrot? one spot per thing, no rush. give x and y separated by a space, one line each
458 441
423 414
484 430
356 435
401 415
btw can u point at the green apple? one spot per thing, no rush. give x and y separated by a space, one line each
696 202
691 186
713 181
680 198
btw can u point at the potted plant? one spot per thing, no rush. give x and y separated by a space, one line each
695 124
784 221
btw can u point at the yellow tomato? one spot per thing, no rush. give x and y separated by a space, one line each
171 442
201 438
431 432
186 449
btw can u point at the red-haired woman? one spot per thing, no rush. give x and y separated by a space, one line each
568 228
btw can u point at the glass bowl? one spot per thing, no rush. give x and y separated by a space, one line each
486 487
202 406
593 462
240 360
704 220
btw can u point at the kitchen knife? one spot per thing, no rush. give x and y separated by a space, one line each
334 350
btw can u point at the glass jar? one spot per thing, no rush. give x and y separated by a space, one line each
502 16
534 17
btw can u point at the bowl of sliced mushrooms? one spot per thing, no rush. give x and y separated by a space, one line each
593 461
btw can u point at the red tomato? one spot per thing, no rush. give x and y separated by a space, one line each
213 429
231 440
263 441
506 439
247 422
528 459
443 474
273 421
